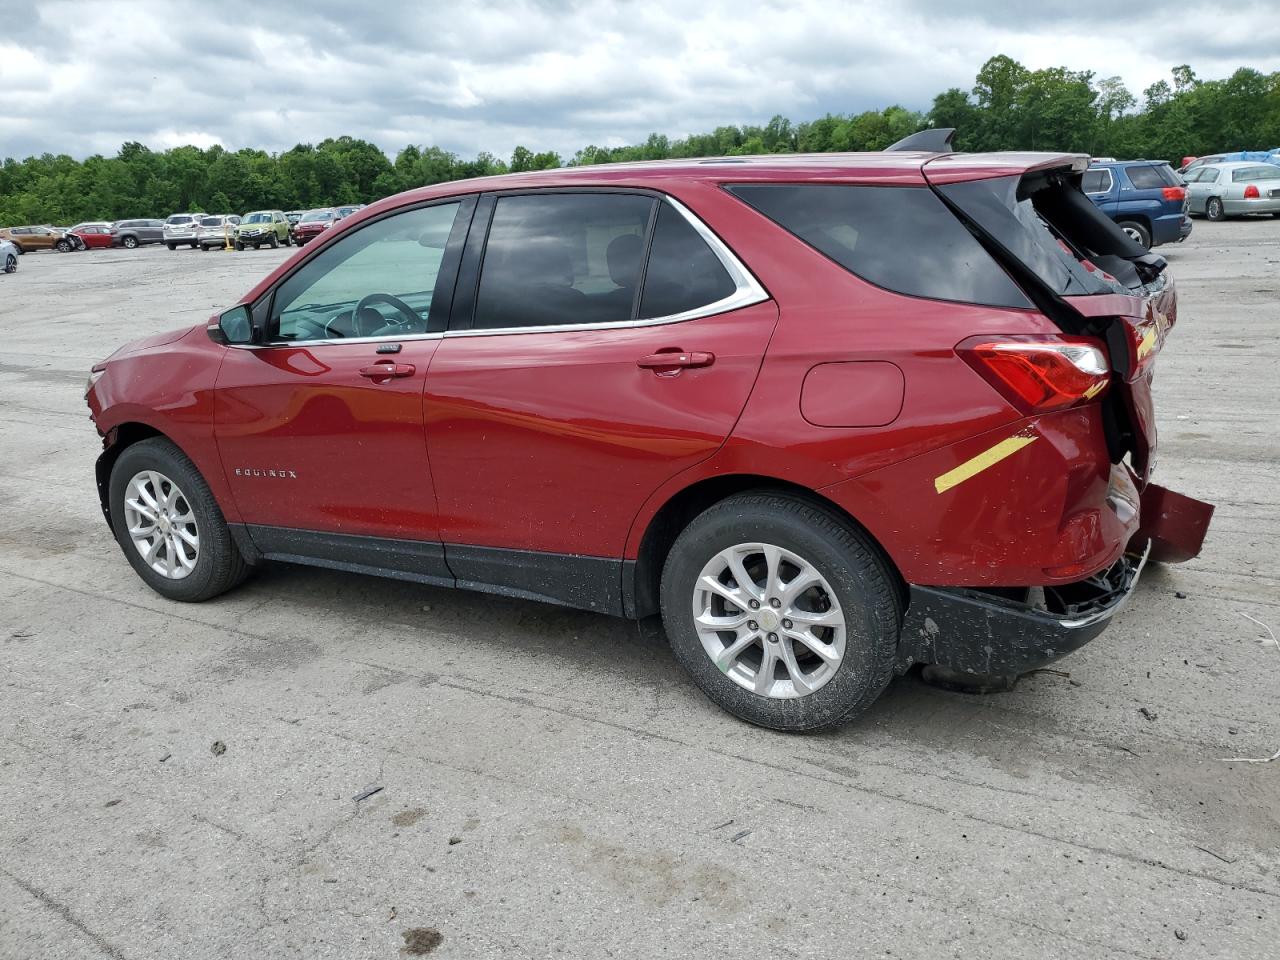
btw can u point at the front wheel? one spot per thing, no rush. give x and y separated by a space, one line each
287 240
10 263
239 245
782 612
172 246
63 246
1136 232
272 242
1214 209
169 526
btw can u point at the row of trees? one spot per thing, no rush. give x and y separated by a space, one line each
1009 107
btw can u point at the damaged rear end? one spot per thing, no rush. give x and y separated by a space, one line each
1115 304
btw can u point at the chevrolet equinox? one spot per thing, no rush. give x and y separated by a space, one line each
830 416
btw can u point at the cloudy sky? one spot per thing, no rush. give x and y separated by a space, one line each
82 78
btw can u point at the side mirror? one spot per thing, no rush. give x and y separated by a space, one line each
236 325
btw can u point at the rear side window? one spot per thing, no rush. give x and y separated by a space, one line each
901 238
561 258
1145 178
683 273
1096 181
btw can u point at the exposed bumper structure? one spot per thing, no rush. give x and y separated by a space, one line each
973 631
1013 631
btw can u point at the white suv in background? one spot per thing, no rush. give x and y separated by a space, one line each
181 228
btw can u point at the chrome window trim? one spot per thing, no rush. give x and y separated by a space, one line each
747 292
338 341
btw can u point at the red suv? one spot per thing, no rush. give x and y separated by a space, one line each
831 416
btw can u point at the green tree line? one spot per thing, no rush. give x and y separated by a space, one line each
1009 107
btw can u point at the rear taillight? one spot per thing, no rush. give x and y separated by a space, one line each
1251 192
1040 374
1175 193
1145 339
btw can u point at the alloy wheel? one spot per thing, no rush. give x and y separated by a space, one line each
769 620
161 524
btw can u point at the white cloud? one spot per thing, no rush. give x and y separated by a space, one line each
83 78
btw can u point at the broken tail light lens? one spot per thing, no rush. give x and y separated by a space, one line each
1040 374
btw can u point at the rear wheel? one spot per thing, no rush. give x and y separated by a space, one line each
1214 209
169 526
63 246
287 240
783 613
10 262
129 242
193 245
172 246
1137 232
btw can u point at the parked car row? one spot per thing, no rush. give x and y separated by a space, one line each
194 229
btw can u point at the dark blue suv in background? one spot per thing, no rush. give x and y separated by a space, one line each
1144 197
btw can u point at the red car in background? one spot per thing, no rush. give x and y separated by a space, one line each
830 416
313 223
93 236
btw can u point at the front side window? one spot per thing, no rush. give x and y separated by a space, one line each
561 258
901 238
379 281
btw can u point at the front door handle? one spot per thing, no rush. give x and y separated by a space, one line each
676 359
387 371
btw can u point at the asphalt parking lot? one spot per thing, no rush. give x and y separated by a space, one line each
551 784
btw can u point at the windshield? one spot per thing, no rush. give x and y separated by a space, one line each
315 215
257 218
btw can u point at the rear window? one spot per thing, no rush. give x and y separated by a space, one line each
211 222
1016 226
1149 178
177 220
1246 174
901 238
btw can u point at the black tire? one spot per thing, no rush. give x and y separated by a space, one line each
272 242
1276 215
63 246
193 245
219 564
129 243
860 577
288 241
239 245
1214 210
10 263
1137 232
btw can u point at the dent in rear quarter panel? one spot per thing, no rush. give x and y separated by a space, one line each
991 512
170 388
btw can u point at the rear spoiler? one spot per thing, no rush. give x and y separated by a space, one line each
933 140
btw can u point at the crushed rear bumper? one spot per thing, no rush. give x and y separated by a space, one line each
1012 631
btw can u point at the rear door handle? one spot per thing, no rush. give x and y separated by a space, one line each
682 358
387 371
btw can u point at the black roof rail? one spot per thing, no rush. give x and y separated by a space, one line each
932 140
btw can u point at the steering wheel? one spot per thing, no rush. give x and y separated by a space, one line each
407 313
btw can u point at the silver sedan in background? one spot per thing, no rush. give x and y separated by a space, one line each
1221 190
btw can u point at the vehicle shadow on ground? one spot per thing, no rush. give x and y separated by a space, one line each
620 652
